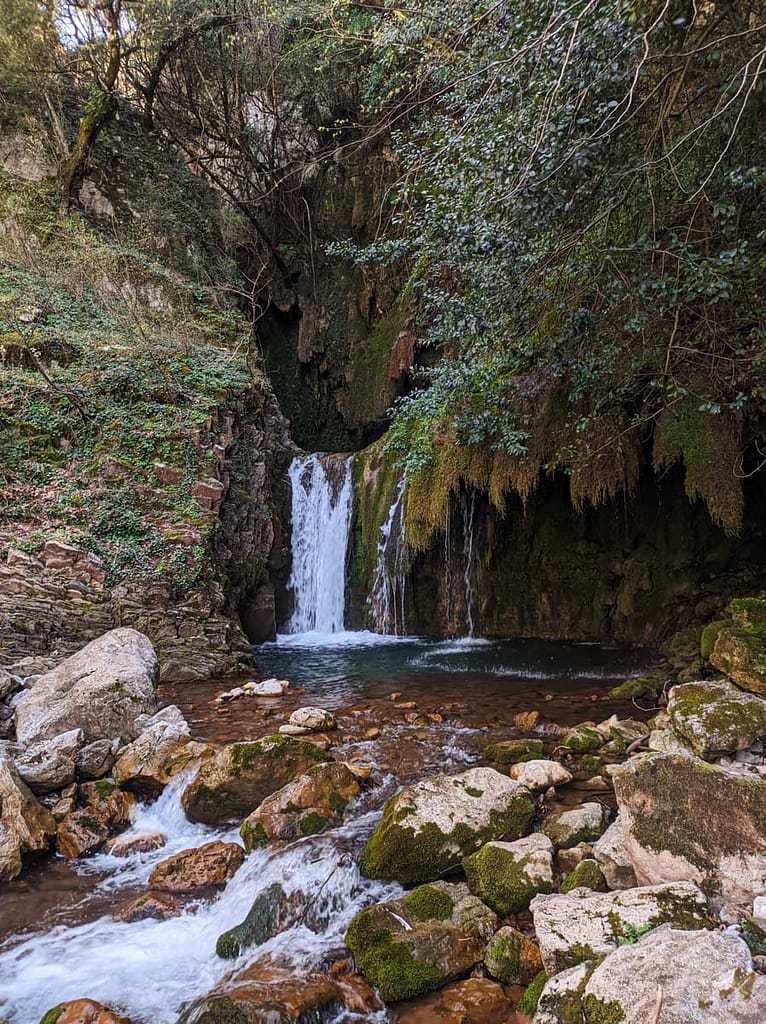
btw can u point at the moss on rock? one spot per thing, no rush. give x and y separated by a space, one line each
507 876
586 875
529 1000
427 903
514 751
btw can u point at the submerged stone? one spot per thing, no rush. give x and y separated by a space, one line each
428 827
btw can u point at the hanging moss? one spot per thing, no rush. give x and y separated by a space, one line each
371 388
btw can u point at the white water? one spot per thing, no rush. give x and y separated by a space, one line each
148 969
468 508
321 520
388 592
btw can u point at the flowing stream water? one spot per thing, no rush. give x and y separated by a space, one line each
58 939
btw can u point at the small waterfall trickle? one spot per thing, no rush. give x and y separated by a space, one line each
468 510
321 520
388 591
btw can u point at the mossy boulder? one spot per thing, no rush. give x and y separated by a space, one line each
748 612
512 958
716 717
506 876
429 827
583 739
587 875
83 1011
238 779
709 635
648 685
685 818
531 997
514 751
263 922
309 804
404 955
583 824
581 925
741 655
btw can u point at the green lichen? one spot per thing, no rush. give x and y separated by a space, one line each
583 739
754 936
391 966
512 958
253 835
586 875
531 996
598 1011
748 612
647 685
429 904
312 823
514 751
709 636
53 1015
502 881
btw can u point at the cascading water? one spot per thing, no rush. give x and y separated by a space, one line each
321 521
468 509
388 592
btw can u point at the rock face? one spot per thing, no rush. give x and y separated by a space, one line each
506 876
611 856
705 978
428 828
162 750
83 1011
25 825
101 690
206 867
581 824
310 804
238 779
716 717
582 925
540 775
686 819
741 655
416 944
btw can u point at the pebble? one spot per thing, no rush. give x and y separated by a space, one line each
406 705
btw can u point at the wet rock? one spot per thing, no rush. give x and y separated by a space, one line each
234 782
512 958
85 830
266 994
418 943
27 826
101 690
506 876
582 925
83 1011
428 828
581 824
95 760
587 875
265 919
313 719
583 739
540 775
473 1001
702 977
514 751
716 717
310 804
267 687
45 771
741 655
126 846
163 749
205 867
156 906
685 818
611 856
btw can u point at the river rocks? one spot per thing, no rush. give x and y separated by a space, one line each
101 690
582 925
206 867
540 775
611 856
428 828
265 994
312 719
687 819
416 944
84 831
83 1011
583 739
163 749
716 717
694 977
741 655
127 846
512 958
240 777
506 876
155 906
514 751
264 920
25 825
95 760
580 824
587 875
473 1001
310 804
45 771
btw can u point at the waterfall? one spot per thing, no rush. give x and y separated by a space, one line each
388 590
321 520
468 509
